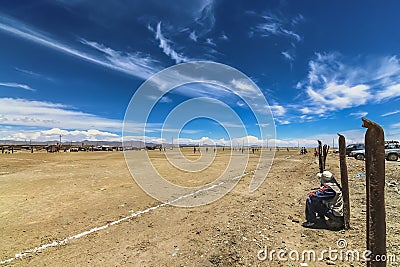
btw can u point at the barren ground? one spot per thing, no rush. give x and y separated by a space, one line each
49 197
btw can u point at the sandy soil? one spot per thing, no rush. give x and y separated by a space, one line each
49 197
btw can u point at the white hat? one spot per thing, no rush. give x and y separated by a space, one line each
326 176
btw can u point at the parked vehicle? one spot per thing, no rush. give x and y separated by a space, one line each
353 147
357 154
392 154
392 145
392 151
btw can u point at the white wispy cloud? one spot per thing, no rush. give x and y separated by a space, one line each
389 92
278 110
333 84
251 92
165 99
224 36
132 63
22 112
292 34
210 42
288 55
388 67
204 17
166 47
17 85
297 19
339 96
282 121
359 114
275 25
193 36
248 140
240 104
390 113
245 89
227 124
33 74
54 134
122 62
392 132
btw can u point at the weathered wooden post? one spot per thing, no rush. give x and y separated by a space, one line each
322 154
325 150
320 161
344 181
375 182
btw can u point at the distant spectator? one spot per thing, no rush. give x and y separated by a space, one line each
315 152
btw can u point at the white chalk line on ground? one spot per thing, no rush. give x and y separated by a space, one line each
96 229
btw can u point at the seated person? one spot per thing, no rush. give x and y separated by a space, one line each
325 203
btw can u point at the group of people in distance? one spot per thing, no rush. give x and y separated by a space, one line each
303 150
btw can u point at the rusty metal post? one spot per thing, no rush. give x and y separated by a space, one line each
320 161
344 181
375 180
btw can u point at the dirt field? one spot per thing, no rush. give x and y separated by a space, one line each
50 197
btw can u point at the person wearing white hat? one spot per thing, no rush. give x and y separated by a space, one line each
324 207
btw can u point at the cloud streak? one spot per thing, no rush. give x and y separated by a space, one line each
33 74
17 85
131 63
205 17
390 113
273 25
359 114
193 36
114 60
166 47
288 55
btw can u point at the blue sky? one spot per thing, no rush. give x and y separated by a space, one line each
71 67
